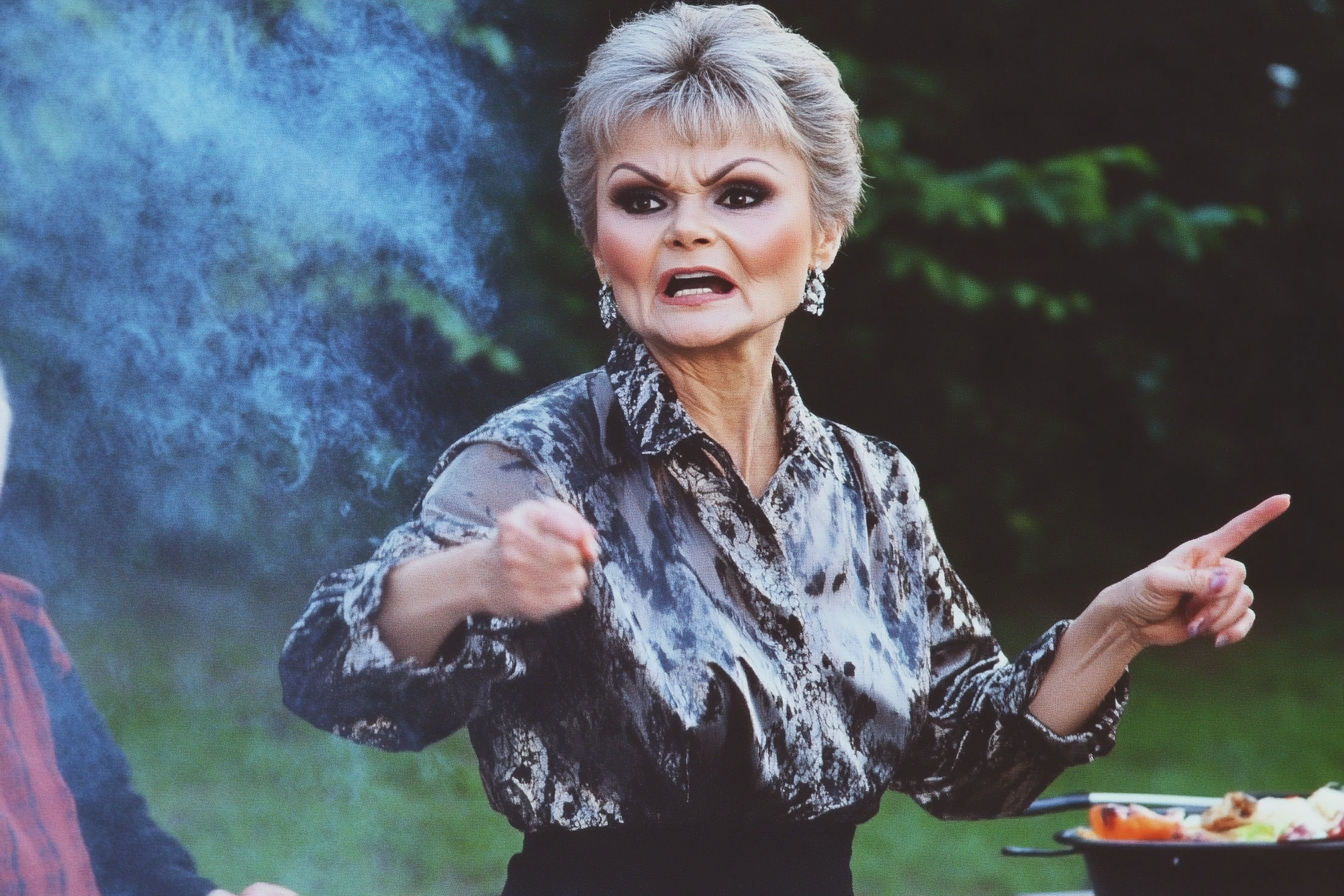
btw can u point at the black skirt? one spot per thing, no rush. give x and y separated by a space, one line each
805 859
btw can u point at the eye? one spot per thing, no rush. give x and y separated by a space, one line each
743 195
638 201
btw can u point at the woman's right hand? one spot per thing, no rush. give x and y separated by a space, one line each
542 549
533 567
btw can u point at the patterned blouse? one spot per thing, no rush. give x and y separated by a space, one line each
761 660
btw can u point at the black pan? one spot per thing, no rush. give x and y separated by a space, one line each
1176 868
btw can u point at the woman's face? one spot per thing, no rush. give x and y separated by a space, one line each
705 245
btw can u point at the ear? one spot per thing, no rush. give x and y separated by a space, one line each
827 245
598 263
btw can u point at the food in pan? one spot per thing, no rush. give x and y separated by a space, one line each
1111 821
1236 810
1238 818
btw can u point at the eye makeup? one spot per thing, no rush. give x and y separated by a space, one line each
743 194
638 199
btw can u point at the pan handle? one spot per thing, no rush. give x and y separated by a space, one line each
1021 852
1068 801
1062 803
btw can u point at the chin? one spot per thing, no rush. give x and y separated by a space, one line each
699 331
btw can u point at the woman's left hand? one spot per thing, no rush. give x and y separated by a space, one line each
1195 590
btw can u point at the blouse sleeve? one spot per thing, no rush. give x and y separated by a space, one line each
980 753
335 669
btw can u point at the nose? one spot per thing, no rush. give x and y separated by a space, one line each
689 227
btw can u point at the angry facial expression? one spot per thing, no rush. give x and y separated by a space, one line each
705 245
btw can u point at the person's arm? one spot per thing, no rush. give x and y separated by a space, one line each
975 751
403 650
1194 591
979 753
999 733
128 852
534 566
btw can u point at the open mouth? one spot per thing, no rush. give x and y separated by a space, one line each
697 283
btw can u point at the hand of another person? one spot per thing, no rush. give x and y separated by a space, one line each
258 889
1195 590
543 549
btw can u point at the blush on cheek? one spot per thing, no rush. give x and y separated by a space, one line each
621 249
780 251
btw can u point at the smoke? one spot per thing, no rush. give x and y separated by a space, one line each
206 223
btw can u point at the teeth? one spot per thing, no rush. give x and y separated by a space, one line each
688 284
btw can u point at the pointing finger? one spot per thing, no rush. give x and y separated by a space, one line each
1242 526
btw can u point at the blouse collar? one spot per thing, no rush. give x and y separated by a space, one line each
660 422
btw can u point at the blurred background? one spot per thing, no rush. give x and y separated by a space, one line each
260 262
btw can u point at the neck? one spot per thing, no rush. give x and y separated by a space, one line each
729 392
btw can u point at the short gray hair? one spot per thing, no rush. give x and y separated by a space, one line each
6 418
715 72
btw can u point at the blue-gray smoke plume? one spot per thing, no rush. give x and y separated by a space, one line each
199 219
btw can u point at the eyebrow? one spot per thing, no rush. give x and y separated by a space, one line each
713 178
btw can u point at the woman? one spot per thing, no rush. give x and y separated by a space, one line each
694 630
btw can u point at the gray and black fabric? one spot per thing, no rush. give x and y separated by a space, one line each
738 661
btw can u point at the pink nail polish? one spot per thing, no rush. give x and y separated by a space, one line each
1218 581
1221 641
1195 627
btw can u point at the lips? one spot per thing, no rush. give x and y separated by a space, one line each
691 284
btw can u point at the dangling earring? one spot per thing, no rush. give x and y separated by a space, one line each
814 292
606 304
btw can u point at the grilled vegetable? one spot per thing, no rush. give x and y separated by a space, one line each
1133 822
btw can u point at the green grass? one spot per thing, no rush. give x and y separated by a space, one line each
193 698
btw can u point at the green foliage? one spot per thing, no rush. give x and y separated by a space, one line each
490 41
970 292
390 285
435 17
87 11
1069 193
1189 233
439 19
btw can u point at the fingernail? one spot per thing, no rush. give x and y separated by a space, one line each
1218 581
1194 628
1221 641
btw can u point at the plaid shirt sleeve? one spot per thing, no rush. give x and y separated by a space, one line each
129 853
